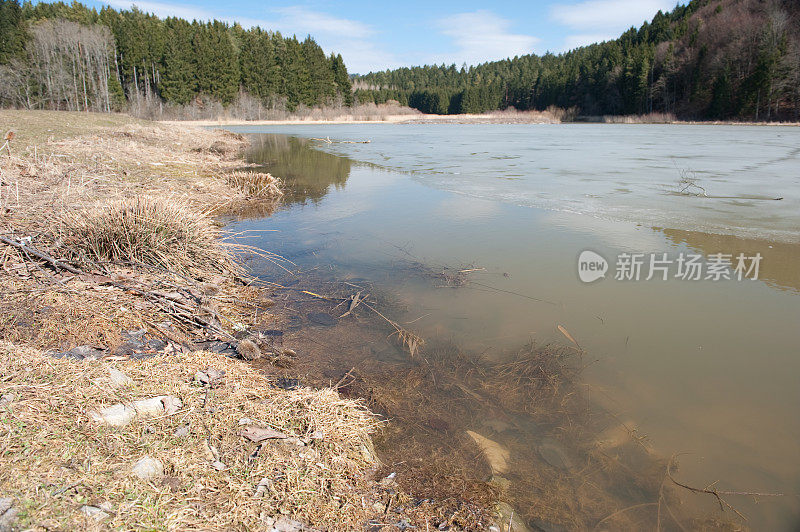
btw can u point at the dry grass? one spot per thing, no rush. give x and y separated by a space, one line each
150 231
255 184
55 459
111 194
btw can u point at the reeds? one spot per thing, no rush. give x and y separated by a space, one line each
255 184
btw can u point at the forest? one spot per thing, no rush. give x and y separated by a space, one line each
708 59
71 57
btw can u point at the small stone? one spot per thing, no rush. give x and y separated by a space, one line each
5 504
552 453
497 455
210 377
93 512
510 519
6 399
209 451
245 421
219 466
117 415
284 524
181 432
148 468
171 404
8 514
119 379
258 434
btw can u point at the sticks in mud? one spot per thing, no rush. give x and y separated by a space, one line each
185 307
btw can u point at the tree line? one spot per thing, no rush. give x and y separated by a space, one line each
708 59
60 56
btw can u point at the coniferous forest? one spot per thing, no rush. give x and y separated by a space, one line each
708 59
59 56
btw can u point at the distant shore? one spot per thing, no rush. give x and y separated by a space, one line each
489 118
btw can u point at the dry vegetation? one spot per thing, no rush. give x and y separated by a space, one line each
57 460
127 208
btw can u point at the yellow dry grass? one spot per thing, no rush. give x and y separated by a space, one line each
150 231
56 460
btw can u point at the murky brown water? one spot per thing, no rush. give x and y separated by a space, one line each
708 370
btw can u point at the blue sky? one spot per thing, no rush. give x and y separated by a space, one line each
379 35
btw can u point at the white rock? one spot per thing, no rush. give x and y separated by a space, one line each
495 454
119 379
119 415
94 512
148 468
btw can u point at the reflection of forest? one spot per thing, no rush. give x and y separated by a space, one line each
307 173
779 263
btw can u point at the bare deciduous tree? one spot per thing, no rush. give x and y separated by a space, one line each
68 68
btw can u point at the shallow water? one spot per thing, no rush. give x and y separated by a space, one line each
707 368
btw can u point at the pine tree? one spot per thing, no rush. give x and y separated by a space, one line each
344 87
178 83
12 30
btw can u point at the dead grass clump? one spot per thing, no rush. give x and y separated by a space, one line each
255 184
150 231
56 460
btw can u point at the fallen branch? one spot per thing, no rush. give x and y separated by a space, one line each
716 493
55 263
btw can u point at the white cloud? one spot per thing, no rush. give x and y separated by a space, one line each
598 20
584 39
482 36
609 15
163 10
318 23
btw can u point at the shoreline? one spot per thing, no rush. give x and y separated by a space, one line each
455 119
143 361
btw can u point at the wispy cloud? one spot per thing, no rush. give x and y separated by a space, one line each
584 39
163 9
482 36
597 20
319 23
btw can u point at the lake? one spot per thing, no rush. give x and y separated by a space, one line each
474 233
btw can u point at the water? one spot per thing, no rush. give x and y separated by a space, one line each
705 368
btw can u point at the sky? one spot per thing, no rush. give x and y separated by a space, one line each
375 36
